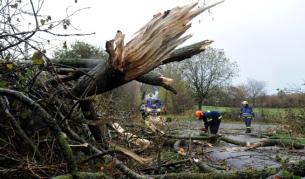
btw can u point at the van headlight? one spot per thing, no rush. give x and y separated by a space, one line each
148 109
159 110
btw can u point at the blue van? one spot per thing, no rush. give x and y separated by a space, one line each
153 106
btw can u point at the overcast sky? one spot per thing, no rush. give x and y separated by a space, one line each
265 37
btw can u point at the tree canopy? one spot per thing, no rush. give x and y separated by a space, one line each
208 70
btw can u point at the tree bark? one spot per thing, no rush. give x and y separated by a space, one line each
102 77
287 143
200 105
20 131
187 51
232 141
277 142
90 114
171 164
177 55
83 175
208 137
204 168
118 164
154 78
60 136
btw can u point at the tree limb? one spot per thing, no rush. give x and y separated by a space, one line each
268 142
83 175
176 56
232 141
187 51
154 78
130 153
171 164
277 142
210 137
60 136
20 131
106 78
90 114
118 164
98 156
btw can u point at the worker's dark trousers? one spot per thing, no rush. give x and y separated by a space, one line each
248 122
214 126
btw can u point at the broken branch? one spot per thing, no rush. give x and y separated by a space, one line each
277 142
60 136
151 45
154 78
130 153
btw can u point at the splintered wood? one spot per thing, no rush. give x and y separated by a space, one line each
153 43
155 123
143 143
130 153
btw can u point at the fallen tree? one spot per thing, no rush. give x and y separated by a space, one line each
62 106
288 170
151 46
207 138
61 100
80 67
286 143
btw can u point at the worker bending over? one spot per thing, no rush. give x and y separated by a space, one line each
211 120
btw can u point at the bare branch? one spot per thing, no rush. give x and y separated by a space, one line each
60 136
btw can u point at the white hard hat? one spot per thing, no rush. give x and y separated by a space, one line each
244 102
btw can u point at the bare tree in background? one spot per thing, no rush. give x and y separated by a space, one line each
23 29
255 88
208 70
233 95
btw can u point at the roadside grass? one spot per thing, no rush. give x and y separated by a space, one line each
292 117
288 136
231 114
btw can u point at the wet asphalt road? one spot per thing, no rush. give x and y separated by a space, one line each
237 157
